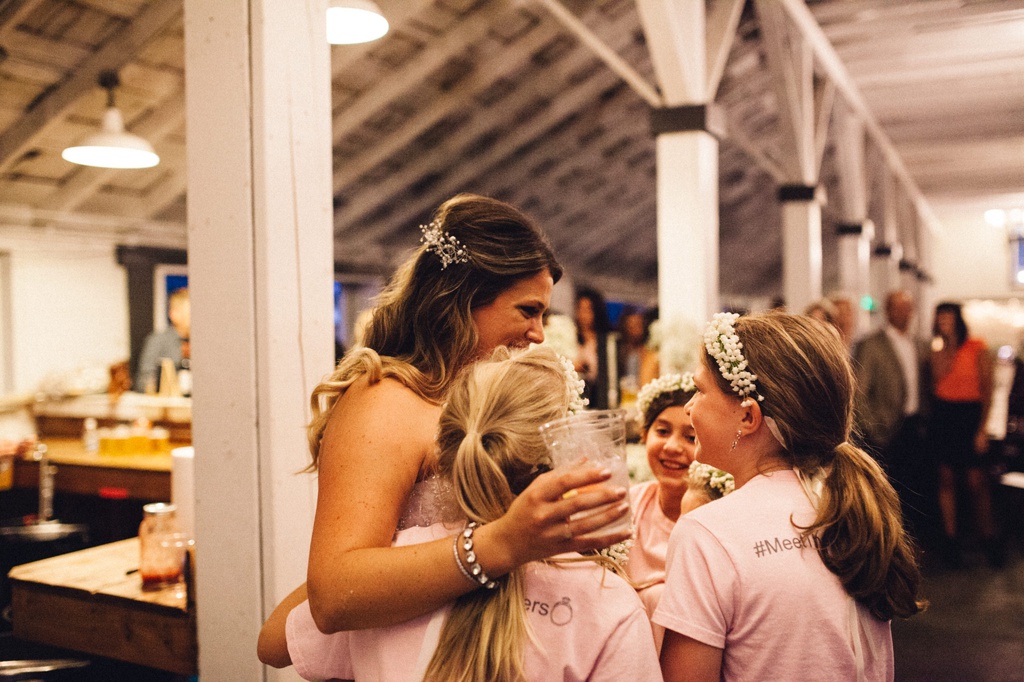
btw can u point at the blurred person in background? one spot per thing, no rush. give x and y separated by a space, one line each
634 354
171 343
846 316
962 396
891 384
592 330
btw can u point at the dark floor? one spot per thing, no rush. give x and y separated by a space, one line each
973 629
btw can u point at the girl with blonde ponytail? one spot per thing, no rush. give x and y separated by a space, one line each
563 618
796 574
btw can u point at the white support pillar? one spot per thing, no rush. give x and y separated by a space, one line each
260 272
856 232
886 256
855 268
801 251
687 190
687 158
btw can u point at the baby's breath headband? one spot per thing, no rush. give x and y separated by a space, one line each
663 384
724 345
447 247
574 385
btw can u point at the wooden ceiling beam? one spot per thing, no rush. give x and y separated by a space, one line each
622 68
118 50
14 18
397 12
459 176
458 38
166 193
567 102
458 97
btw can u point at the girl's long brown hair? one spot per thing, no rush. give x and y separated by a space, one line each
807 384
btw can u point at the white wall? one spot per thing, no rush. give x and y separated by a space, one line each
69 304
972 258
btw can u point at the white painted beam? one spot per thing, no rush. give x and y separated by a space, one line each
833 66
674 30
611 58
722 20
260 274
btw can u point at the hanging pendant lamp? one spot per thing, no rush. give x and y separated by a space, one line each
113 147
354 21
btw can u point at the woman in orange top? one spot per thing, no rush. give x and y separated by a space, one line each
962 393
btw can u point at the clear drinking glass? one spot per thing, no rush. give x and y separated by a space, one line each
163 546
600 436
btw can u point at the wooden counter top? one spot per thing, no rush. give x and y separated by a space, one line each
130 476
92 601
71 451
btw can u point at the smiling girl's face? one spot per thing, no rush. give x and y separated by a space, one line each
671 445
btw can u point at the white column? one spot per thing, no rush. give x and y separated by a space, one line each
884 274
801 253
260 270
855 271
854 247
687 191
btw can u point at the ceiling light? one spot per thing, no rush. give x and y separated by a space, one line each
996 217
112 147
354 21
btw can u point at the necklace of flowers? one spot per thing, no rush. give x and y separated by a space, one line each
724 345
663 384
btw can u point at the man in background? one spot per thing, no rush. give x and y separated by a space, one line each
171 343
891 376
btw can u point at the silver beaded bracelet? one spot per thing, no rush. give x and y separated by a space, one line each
475 572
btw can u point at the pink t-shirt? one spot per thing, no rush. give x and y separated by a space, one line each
740 578
646 565
589 623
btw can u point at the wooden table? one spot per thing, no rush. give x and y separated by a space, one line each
135 477
92 601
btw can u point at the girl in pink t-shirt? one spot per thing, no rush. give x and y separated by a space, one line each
566 618
667 434
795 575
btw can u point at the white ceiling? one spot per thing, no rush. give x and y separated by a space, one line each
497 97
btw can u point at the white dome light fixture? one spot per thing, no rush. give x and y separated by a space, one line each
112 147
354 21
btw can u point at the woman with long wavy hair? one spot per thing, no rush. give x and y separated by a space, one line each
481 279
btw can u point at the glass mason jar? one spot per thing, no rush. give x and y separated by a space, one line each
162 547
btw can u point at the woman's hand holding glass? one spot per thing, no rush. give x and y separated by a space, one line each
537 524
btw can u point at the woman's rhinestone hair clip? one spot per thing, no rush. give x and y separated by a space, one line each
447 247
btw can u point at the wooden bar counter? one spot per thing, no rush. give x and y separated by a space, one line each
127 476
92 601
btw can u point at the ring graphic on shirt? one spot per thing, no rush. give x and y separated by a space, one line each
561 613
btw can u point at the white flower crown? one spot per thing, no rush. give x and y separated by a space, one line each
447 247
663 384
724 345
574 385
716 483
